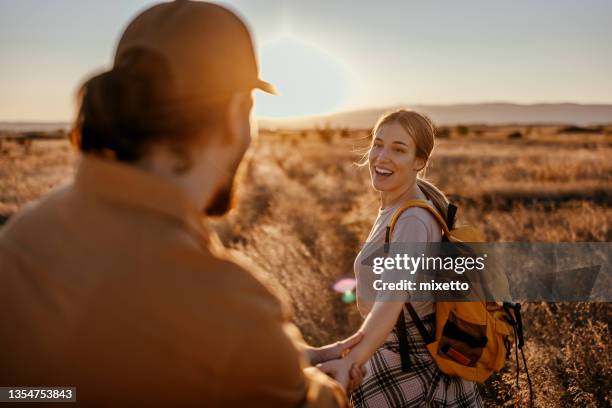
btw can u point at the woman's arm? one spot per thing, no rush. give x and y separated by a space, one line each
382 317
332 351
375 329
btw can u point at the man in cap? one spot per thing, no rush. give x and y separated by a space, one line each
113 283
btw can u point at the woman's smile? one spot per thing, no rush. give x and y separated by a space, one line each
381 171
392 158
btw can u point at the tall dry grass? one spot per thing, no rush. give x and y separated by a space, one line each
304 208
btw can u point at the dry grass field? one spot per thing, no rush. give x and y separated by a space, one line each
304 208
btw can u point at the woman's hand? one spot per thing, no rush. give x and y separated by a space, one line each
333 351
338 370
329 360
355 377
345 371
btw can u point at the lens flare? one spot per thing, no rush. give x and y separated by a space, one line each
349 296
345 285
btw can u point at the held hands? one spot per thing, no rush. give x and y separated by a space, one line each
344 371
329 360
334 350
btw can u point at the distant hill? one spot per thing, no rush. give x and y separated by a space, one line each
482 113
479 113
33 126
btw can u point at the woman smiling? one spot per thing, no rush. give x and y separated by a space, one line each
402 143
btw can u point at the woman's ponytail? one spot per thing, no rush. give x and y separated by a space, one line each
438 198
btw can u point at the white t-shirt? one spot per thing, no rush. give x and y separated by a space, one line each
414 225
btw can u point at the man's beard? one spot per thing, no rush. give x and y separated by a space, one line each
223 201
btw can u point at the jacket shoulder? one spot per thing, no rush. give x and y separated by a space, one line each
36 211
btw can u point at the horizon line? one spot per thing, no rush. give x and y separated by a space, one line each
354 109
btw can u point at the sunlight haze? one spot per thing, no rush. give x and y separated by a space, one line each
334 56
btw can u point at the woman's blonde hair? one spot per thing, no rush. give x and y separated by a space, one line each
422 131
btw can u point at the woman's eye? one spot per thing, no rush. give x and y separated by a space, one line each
398 150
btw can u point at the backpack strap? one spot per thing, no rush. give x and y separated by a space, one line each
427 337
402 335
402 339
415 203
450 216
400 325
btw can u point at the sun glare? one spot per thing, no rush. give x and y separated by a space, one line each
310 81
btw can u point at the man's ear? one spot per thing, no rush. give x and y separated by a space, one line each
238 116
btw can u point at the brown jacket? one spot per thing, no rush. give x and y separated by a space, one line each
113 284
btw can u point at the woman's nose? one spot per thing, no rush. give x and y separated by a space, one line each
383 155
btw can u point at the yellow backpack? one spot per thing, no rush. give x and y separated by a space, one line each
472 339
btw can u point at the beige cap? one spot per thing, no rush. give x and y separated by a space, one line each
207 47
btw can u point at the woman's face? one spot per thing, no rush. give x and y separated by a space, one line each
392 160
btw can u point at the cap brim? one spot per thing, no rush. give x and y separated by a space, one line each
266 87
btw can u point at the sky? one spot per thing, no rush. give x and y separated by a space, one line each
330 56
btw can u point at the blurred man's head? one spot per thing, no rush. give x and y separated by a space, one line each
178 98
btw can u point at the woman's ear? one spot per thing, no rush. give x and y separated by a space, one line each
419 164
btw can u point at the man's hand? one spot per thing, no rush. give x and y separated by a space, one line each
347 373
333 351
329 360
355 377
338 370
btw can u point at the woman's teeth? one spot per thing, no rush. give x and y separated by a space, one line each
382 172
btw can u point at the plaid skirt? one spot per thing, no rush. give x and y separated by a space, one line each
386 385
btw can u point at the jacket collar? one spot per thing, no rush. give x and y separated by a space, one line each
132 186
